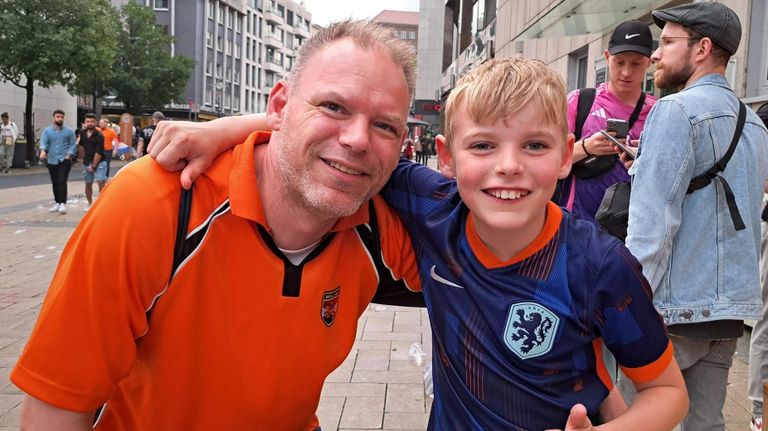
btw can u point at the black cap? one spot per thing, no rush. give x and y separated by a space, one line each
4 115
713 20
631 36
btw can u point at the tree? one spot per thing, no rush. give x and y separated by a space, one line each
50 42
145 75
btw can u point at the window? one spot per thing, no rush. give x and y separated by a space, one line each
239 23
577 69
208 96
218 43
209 67
412 35
228 46
161 5
757 58
221 14
403 35
281 11
211 9
209 39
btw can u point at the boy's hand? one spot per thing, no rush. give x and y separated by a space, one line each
578 420
184 144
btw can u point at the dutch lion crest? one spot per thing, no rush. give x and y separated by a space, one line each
530 330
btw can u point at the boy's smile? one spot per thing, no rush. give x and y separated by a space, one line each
506 173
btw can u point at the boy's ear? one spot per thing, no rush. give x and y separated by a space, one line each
567 159
278 99
444 157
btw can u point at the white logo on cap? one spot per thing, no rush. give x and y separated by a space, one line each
630 36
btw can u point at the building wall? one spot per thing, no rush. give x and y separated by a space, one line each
430 49
46 100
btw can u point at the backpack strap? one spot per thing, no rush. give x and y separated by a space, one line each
636 113
703 180
389 291
185 205
586 99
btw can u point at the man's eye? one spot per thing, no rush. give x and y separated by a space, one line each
334 107
387 127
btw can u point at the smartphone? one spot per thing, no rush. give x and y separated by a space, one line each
620 127
629 151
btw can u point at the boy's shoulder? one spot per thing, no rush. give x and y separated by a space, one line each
588 241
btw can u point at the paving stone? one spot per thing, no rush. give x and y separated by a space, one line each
387 376
378 324
408 317
372 360
406 398
362 412
332 389
329 412
398 420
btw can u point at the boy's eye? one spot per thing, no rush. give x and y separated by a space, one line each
536 146
481 146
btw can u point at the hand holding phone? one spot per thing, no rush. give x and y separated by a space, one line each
629 151
620 128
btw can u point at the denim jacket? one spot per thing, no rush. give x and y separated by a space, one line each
58 143
699 267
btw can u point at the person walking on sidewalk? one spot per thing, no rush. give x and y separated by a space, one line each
58 147
110 140
758 346
145 136
94 165
8 134
699 240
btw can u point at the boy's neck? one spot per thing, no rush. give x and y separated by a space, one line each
515 245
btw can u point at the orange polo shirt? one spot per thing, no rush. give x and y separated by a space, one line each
223 348
109 137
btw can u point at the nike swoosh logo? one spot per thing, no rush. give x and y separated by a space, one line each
630 36
439 279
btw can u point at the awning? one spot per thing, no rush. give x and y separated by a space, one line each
575 17
416 122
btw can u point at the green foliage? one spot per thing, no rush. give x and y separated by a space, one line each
50 42
145 76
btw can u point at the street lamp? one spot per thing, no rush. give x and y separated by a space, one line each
220 93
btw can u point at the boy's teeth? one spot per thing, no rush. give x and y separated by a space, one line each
506 194
344 168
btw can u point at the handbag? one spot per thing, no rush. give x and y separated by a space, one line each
613 212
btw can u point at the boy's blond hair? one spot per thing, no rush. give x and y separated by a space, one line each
501 86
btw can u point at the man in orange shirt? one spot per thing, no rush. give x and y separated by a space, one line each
110 140
285 246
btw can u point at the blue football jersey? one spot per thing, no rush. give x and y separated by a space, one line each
516 345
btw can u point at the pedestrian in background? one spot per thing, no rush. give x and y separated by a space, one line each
758 348
94 163
699 241
8 134
110 140
145 137
58 147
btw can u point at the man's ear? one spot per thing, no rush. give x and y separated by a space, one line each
278 99
567 159
444 157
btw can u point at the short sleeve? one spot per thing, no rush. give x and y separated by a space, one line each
630 326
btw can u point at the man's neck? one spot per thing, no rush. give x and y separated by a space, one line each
292 226
702 71
629 98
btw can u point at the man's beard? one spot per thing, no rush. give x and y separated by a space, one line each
673 79
58 123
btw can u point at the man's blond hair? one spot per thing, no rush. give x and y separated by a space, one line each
365 34
501 86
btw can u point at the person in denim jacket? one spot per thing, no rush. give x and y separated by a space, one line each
704 272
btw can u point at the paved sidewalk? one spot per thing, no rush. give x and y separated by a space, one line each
379 386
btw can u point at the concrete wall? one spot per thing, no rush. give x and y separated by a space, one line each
46 100
430 49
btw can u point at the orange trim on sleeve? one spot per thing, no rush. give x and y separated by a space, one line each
654 369
490 261
602 371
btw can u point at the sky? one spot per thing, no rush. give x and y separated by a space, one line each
327 11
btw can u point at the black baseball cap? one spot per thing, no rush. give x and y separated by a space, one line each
713 20
632 36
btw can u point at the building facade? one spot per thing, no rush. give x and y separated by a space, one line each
404 23
572 37
240 48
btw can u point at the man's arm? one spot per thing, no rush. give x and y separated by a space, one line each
38 415
193 146
662 171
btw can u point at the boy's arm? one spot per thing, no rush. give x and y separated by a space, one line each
39 415
193 146
661 404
